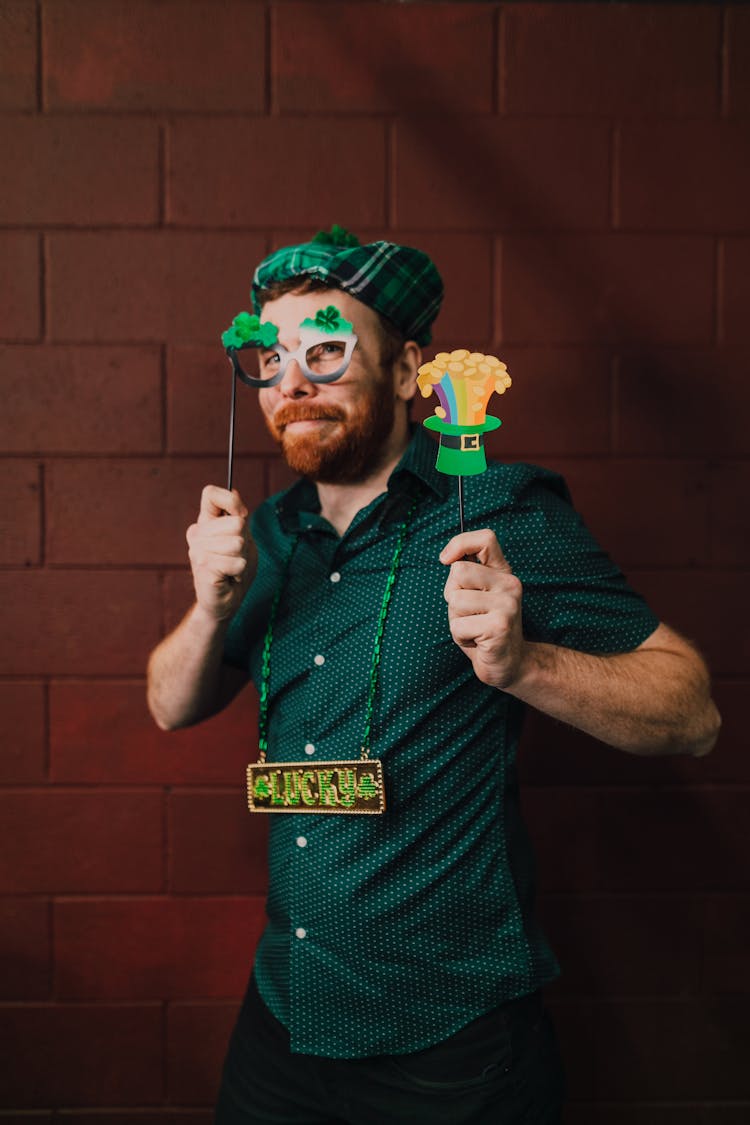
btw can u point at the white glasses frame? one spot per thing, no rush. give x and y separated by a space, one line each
348 339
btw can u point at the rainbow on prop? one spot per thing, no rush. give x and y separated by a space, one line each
463 382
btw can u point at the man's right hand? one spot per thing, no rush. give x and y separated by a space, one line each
222 554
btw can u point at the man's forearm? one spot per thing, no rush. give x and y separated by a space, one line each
185 672
654 700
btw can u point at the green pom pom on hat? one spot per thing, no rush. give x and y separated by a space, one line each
400 282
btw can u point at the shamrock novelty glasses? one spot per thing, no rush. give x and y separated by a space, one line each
324 353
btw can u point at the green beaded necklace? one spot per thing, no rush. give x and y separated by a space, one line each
328 787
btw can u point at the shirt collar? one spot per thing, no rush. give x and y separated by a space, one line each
416 468
419 461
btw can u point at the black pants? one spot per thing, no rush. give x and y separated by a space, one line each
502 1069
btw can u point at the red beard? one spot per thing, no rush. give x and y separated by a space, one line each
352 451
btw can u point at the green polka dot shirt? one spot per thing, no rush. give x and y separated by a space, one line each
386 934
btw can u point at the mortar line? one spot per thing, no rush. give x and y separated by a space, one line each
615 162
498 63
719 287
723 62
270 108
40 57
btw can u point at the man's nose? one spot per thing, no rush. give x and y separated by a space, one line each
294 384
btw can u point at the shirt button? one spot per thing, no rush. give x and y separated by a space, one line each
300 932
335 577
319 660
301 841
309 748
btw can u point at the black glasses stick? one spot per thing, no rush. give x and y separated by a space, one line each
231 430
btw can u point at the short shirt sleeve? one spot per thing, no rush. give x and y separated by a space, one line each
573 593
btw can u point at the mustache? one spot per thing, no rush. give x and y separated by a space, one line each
299 412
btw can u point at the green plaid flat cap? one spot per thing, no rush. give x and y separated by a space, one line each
399 282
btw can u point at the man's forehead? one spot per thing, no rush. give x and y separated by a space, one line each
289 310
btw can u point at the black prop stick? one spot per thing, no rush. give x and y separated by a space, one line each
232 412
463 382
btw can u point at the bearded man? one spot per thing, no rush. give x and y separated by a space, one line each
399 974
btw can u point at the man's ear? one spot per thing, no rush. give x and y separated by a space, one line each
405 371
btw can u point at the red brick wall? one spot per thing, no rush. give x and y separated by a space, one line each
581 174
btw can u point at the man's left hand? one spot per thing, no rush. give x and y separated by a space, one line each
484 606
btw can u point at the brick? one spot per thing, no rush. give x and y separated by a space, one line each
342 162
20 530
573 1026
86 501
738 37
199 382
78 622
280 476
567 860
151 285
22 733
639 840
24 1117
663 186
559 404
725 943
625 946
622 60
216 846
730 520
155 948
135 1117
682 403
673 840
114 716
729 762
643 513
512 175
639 1113
725 1114
555 754
197 1038
465 264
382 58
105 171
672 1050
66 841
132 54
84 400
654 289
18 55
25 953
20 311
708 607
93 1055
736 291
179 594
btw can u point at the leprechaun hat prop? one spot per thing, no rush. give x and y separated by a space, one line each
463 383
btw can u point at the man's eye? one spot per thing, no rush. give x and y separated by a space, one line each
332 350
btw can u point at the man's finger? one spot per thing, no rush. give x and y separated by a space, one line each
483 545
216 501
470 603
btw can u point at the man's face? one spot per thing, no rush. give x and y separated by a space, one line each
337 432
